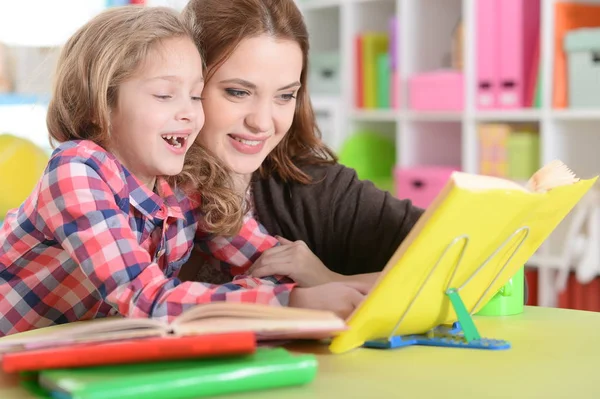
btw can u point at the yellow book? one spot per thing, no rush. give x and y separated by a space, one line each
472 228
493 149
374 43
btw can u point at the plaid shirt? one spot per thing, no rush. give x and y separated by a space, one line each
91 241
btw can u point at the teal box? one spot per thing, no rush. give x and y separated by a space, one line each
582 47
324 73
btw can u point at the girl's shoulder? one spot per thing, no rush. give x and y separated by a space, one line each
82 149
93 160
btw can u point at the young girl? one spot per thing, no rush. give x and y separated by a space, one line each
108 226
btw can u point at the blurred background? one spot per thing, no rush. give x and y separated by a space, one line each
405 91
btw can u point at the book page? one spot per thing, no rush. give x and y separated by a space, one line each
552 175
104 329
483 183
264 328
251 311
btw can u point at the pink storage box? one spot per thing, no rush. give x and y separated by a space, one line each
421 184
436 91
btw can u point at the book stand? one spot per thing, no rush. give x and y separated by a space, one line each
463 333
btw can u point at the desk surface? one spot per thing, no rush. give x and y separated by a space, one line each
555 353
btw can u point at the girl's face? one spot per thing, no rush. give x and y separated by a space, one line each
250 102
159 111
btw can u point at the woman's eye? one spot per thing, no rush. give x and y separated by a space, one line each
236 93
288 96
197 98
162 97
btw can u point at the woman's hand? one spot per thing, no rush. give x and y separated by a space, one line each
295 260
339 298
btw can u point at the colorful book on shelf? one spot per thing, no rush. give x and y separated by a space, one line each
533 80
130 351
359 77
384 84
537 97
488 53
516 49
477 233
394 89
394 34
267 322
373 44
267 368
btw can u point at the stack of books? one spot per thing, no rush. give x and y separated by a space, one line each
213 349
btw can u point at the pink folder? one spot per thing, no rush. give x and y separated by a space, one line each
519 28
487 53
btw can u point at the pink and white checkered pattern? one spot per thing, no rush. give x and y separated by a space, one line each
91 241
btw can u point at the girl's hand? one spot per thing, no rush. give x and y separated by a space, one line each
295 260
340 298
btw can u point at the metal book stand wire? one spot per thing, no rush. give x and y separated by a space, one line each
462 333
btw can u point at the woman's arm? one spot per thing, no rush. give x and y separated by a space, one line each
366 278
350 225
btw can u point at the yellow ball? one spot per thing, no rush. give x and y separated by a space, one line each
21 166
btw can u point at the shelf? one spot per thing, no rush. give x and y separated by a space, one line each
426 42
525 115
309 5
576 114
367 1
540 261
11 99
434 116
376 115
324 100
447 116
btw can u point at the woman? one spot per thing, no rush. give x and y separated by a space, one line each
260 122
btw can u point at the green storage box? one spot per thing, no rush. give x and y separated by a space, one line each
523 154
582 47
324 73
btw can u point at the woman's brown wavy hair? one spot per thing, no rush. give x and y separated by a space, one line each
220 26
100 56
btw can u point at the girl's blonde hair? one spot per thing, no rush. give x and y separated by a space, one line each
99 57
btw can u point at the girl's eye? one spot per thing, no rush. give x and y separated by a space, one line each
162 97
197 98
237 93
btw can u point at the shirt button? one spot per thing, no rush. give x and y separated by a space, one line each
162 212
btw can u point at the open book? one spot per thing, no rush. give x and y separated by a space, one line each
476 234
267 322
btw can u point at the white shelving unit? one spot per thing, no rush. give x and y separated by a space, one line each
450 138
425 33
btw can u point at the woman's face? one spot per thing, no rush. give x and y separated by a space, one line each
249 102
